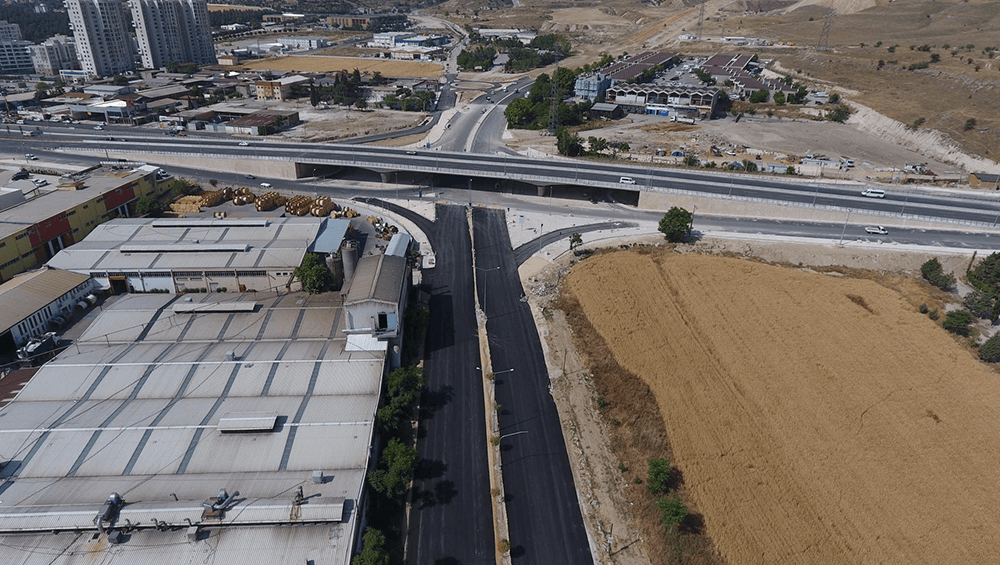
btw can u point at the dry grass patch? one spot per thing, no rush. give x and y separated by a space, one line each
311 64
814 418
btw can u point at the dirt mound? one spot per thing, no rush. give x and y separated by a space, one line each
842 6
815 419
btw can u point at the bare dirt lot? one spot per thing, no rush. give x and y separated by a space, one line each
814 418
342 123
313 64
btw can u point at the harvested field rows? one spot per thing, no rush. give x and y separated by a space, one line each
815 419
314 64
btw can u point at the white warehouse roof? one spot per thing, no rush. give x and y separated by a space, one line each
133 244
166 406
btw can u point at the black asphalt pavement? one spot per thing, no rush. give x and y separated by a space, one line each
544 518
452 521
526 250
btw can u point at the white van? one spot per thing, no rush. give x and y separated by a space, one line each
265 185
876 230
626 180
873 193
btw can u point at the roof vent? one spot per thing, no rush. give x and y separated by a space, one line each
318 478
231 355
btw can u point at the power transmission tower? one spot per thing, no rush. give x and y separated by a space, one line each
554 110
701 18
824 36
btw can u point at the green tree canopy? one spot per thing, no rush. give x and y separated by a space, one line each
659 475
990 349
403 387
957 321
980 303
314 274
672 511
149 205
676 225
934 273
373 549
395 468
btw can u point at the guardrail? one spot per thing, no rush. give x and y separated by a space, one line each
547 180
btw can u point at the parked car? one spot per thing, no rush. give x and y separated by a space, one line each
40 182
20 175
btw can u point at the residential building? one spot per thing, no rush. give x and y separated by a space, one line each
15 59
173 31
103 43
33 230
53 55
9 31
280 89
31 302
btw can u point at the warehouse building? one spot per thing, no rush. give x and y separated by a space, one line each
376 299
180 429
36 226
200 255
35 302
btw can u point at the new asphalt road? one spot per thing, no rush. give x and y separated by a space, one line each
451 522
543 511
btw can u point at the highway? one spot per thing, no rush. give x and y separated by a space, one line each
982 209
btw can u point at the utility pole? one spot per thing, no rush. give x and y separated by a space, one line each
824 35
554 111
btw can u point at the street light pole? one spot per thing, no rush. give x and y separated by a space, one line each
499 439
470 194
845 228
484 284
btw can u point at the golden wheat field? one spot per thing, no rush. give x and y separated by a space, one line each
816 419
313 64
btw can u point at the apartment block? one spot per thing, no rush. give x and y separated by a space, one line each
9 31
15 59
173 31
103 43
53 55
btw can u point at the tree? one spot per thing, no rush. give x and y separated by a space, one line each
672 512
839 114
779 98
980 303
403 387
395 468
313 95
934 273
659 475
969 124
834 98
119 80
519 112
597 144
990 349
676 225
361 104
790 170
759 96
575 241
313 274
957 321
568 143
149 205
373 550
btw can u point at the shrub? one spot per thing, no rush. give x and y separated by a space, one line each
990 349
923 308
934 273
980 304
969 124
933 314
659 475
839 114
672 511
957 321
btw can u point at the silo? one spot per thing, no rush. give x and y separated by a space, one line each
335 263
349 255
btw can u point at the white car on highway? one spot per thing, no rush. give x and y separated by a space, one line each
876 230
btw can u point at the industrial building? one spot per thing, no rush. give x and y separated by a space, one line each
376 299
178 429
38 222
200 255
684 101
374 22
33 302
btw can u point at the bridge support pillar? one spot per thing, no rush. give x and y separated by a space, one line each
544 190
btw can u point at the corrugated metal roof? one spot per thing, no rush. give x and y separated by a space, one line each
24 295
145 419
377 277
398 245
330 235
139 244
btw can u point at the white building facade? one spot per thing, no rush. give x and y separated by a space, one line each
103 43
53 55
173 31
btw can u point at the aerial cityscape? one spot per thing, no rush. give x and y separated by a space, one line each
450 283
